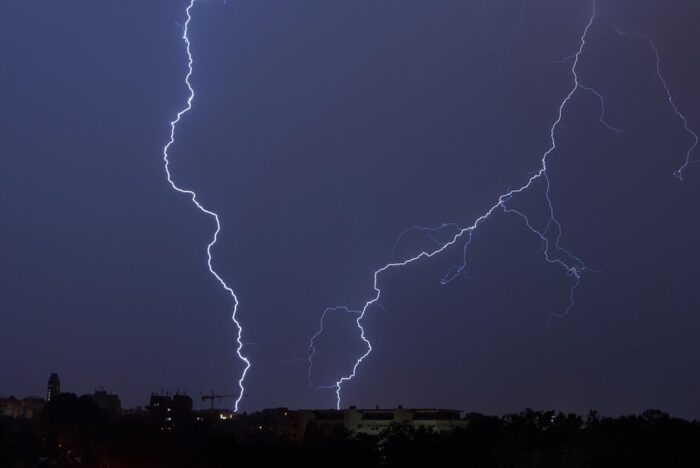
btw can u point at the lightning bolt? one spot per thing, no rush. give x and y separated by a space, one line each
199 205
688 155
311 351
553 252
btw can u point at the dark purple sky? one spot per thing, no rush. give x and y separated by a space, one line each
320 131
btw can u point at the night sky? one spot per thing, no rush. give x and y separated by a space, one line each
320 131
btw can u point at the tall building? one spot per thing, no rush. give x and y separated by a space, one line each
54 387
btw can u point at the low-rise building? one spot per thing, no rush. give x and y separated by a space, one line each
292 424
167 410
375 421
107 402
30 407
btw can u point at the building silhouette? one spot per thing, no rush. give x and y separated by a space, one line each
168 410
294 424
54 387
30 407
107 402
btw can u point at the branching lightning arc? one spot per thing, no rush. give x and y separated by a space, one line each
199 205
689 153
550 235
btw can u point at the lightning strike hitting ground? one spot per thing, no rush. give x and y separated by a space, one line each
550 236
553 252
193 197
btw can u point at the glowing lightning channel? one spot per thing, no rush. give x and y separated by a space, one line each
572 265
427 231
678 172
311 351
193 196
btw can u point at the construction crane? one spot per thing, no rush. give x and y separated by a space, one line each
211 396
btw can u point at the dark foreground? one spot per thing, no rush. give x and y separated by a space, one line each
78 433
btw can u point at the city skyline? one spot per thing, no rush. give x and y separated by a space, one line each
477 205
